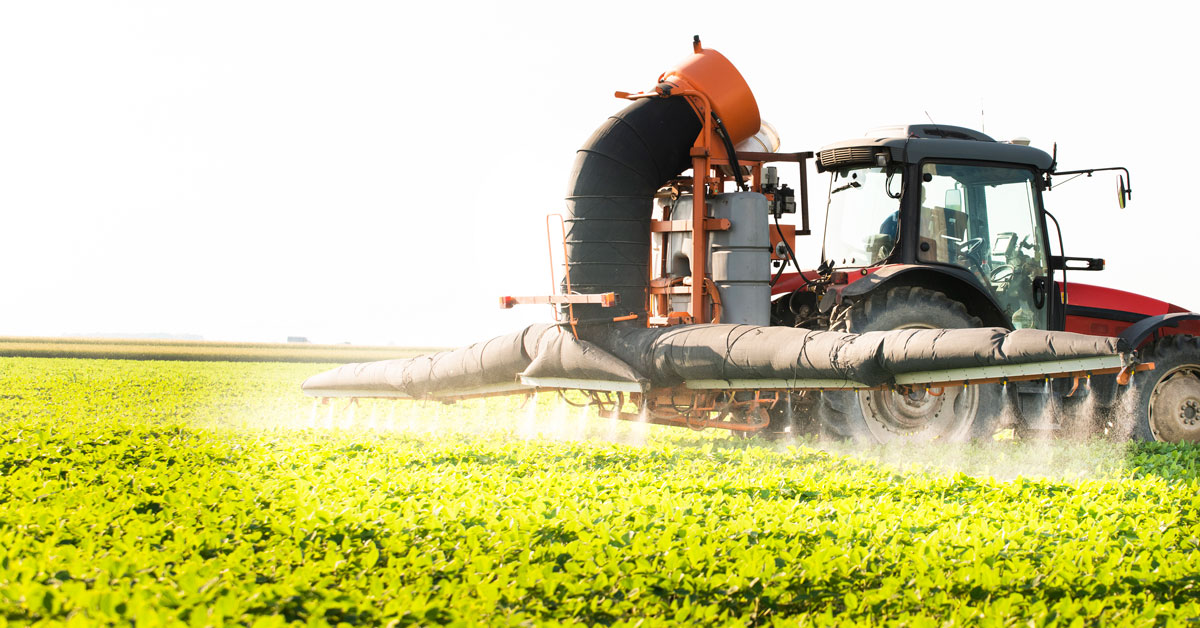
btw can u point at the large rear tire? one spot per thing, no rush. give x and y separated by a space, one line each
1167 399
954 413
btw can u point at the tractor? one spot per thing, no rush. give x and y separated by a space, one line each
937 226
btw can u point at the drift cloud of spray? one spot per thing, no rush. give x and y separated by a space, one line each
1002 459
546 417
1076 451
549 418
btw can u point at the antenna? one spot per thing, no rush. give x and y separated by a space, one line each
930 118
982 124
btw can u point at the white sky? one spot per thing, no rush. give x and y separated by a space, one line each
377 172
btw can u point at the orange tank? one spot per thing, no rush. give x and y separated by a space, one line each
709 72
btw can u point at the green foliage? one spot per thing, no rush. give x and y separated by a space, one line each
167 493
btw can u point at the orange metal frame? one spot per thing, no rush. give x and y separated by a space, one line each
707 157
707 178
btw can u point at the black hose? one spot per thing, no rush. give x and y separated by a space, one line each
733 160
1063 252
791 256
778 273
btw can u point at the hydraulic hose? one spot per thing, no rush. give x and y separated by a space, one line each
733 160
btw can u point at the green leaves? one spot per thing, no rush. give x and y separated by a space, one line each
206 494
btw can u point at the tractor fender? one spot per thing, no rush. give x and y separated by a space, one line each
1139 332
955 283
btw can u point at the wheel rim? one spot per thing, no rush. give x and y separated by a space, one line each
1175 406
921 413
892 414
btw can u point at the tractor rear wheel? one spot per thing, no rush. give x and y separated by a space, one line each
1167 399
954 413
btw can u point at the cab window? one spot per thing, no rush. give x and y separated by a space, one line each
985 219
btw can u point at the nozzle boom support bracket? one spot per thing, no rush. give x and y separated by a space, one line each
607 299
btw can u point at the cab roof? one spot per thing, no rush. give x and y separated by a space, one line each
917 142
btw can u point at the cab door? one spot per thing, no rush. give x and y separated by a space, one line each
985 219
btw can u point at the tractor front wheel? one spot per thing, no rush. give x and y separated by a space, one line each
1167 399
953 413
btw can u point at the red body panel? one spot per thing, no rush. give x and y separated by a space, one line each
791 282
1103 309
1085 295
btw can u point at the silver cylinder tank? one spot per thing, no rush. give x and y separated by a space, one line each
739 259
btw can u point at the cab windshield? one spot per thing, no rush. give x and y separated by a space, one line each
862 217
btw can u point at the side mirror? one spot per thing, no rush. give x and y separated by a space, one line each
1123 191
954 200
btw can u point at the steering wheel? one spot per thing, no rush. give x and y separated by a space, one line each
1002 273
968 251
968 246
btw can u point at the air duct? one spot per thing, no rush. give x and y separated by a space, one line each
625 161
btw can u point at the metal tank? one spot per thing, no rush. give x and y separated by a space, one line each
739 258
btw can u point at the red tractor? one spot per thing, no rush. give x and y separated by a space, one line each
941 227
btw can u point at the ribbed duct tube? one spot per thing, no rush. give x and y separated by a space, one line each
610 200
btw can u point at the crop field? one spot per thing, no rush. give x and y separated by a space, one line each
214 493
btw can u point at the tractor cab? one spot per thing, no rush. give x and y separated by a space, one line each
957 210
